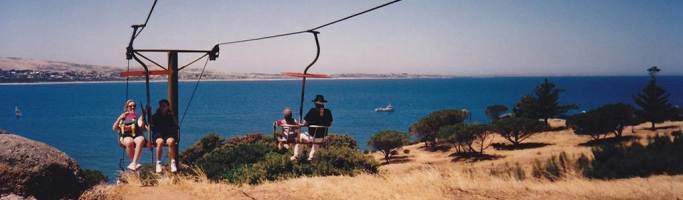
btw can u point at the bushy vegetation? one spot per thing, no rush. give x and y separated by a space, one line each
661 155
598 123
494 111
427 127
222 161
654 102
340 141
92 178
254 158
330 162
518 129
554 168
387 141
508 171
544 104
205 145
470 138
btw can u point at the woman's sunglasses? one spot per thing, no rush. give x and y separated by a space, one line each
131 106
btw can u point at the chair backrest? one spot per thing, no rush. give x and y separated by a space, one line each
277 130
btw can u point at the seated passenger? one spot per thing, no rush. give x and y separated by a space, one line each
318 120
165 131
129 126
290 129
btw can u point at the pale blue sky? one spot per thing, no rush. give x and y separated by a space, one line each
540 37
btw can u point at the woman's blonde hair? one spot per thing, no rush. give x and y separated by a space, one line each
125 106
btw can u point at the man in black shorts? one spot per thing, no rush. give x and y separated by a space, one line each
165 129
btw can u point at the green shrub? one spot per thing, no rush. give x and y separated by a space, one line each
253 159
274 166
249 139
92 178
555 167
507 171
344 161
661 155
222 160
388 141
611 118
519 172
330 161
335 140
205 145
591 123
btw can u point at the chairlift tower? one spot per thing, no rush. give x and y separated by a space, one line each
171 70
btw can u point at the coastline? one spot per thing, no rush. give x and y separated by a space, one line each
288 79
212 80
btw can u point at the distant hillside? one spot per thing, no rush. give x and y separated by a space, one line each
22 70
14 63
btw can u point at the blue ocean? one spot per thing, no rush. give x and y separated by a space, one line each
77 118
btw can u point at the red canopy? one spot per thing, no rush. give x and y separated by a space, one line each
142 73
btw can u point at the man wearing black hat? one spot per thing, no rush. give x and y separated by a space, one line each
318 120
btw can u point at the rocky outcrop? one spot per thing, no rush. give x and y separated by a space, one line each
15 197
30 168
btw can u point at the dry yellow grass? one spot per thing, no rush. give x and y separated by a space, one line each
426 175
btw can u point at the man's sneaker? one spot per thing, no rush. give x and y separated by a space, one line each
173 166
293 158
158 167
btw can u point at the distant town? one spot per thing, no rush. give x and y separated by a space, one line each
23 70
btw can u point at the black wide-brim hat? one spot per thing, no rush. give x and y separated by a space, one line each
320 98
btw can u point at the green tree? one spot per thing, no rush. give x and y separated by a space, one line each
654 102
527 107
619 115
454 135
592 123
611 118
544 104
494 111
427 127
387 141
518 129
548 99
467 137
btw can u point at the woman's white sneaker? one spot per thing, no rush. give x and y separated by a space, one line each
133 166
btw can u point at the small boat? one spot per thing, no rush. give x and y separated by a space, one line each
17 112
387 108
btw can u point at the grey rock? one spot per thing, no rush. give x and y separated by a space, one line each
15 197
30 168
